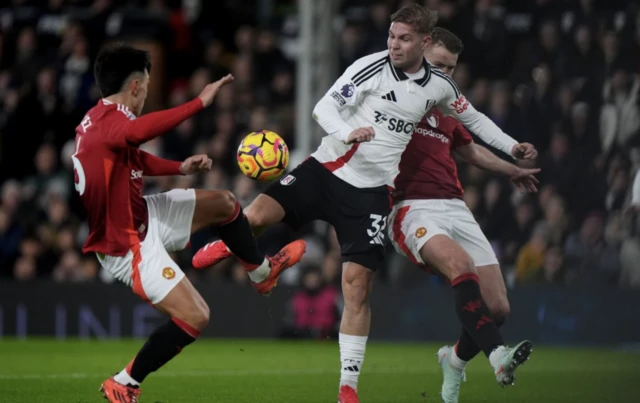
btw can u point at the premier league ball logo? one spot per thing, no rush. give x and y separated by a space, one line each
348 90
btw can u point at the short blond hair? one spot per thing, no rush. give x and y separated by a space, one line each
418 17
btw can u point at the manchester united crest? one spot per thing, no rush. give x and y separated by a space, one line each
420 232
168 273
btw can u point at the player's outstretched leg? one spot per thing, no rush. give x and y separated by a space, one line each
494 293
189 316
453 262
354 328
236 238
263 212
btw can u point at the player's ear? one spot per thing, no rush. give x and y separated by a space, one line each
426 41
135 84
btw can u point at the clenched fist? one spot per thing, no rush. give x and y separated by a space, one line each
524 151
361 135
195 164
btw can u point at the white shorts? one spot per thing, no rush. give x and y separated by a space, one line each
147 267
413 222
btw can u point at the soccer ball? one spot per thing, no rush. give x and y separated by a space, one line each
263 156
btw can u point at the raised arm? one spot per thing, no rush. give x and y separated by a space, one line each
482 158
455 104
152 125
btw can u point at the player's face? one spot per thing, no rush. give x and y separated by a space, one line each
406 46
140 86
441 58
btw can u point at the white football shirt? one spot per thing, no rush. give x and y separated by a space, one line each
374 93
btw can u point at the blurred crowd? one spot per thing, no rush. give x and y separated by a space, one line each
563 75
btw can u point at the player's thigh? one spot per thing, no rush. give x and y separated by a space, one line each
494 291
295 199
264 212
213 207
147 268
170 216
159 274
468 234
447 257
411 226
185 302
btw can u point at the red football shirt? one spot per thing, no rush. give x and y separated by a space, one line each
427 167
108 170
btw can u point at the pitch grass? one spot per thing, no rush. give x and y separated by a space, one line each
249 371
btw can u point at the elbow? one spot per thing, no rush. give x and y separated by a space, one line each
317 110
129 138
133 138
472 157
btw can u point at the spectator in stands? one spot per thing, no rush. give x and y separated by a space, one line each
531 256
315 308
10 236
518 231
620 114
48 180
557 220
590 259
552 267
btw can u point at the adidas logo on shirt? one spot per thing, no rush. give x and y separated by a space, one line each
390 97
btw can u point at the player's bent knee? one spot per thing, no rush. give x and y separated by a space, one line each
227 204
186 304
198 317
500 311
255 217
264 211
458 266
203 317
213 207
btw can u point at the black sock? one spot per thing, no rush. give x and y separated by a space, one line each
466 348
163 344
474 314
238 237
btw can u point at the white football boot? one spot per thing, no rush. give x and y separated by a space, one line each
505 361
452 376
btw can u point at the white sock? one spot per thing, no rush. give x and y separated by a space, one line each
261 273
455 361
352 350
495 356
124 378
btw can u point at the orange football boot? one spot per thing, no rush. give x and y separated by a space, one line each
287 257
116 392
210 254
348 395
